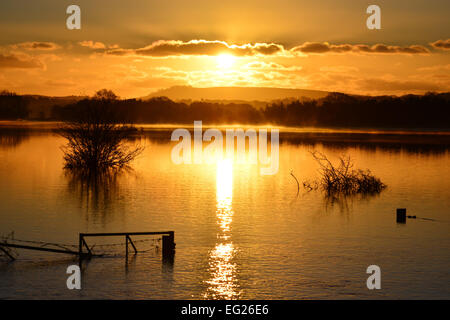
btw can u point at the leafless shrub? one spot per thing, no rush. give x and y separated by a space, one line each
96 138
342 178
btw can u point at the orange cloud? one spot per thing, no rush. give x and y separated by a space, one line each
165 48
92 44
19 62
260 65
441 44
325 47
35 45
312 65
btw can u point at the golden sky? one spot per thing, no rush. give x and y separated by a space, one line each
136 47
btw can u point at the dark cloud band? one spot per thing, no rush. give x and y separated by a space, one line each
441 44
166 48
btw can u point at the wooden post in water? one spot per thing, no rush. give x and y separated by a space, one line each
401 215
126 248
132 244
81 243
168 244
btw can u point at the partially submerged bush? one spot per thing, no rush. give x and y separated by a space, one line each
96 138
342 178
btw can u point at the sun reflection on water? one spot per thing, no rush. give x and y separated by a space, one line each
224 195
223 282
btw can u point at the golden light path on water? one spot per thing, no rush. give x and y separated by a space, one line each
223 282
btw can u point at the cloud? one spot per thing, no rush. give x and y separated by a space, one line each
325 47
19 62
339 69
92 44
165 48
260 65
177 48
382 48
441 67
316 47
441 44
36 46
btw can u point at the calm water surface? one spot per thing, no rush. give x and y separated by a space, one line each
239 235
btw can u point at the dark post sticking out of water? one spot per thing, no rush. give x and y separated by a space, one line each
168 248
401 215
168 243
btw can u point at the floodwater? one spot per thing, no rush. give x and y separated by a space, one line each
239 234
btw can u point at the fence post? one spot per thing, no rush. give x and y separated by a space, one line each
126 247
132 244
168 244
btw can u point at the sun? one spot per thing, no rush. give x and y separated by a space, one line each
225 61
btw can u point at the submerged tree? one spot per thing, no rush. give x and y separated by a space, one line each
96 137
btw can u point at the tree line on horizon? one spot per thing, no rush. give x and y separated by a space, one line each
431 110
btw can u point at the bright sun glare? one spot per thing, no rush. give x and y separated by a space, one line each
225 61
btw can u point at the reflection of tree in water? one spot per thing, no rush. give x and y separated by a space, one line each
12 138
344 202
96 155
96 191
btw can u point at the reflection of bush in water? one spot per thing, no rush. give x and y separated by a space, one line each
94 189
342 179
12 138
344 202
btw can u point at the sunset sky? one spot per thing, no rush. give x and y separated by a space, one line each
136 47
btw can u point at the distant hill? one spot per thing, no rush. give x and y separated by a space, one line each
187 93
